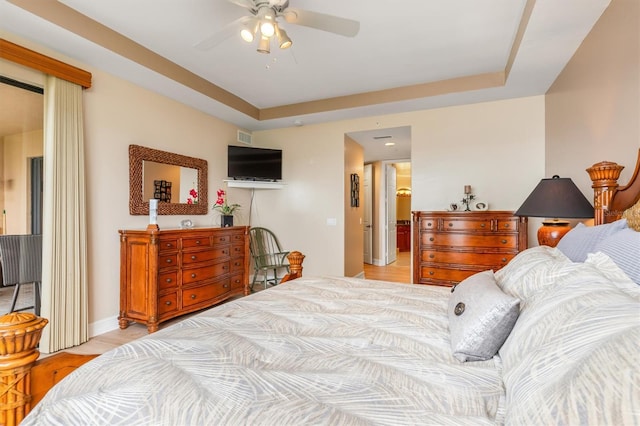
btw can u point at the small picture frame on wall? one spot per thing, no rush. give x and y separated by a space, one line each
355 190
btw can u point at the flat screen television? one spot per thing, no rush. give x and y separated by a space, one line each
248 163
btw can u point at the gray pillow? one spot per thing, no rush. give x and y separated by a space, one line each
481 317
623 248
582 240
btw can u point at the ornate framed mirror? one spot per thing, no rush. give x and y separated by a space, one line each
178 181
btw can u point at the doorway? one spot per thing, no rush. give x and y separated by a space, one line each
385 150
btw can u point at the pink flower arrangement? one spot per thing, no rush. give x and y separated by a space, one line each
222 205
194 197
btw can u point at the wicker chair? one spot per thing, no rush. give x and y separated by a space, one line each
268 257
21 261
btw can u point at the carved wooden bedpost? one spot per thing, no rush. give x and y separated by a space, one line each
19 337
604 176
295 266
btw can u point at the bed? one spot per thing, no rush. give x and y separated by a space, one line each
548 339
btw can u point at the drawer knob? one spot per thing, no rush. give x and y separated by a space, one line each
168 303
429 224
450 224
169 261
482 225
238 281
504 259
431 256
225 252
506 225
237 264
431 272
169 245
193 296
225 267
503 241
193 257
193 275
225 285
198 242
168 280
431 239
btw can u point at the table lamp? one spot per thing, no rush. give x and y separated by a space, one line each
555 198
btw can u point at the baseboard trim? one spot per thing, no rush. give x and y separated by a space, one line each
103 326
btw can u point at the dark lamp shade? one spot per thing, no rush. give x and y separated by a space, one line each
556 198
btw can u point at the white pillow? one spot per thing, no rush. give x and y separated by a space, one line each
481 317
583 240
531 271
623 248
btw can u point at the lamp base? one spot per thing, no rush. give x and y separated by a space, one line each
552 231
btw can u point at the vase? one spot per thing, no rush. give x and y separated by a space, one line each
226 220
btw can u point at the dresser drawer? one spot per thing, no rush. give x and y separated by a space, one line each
204 294
168 280
237 264
447 276
237 250
428 223
506 225
167 244
167 304
237 281
205 255
481 225
204 273
221 239
444 239
490 260
168 261
200 241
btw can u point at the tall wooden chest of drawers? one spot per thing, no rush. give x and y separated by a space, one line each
168 273
451 246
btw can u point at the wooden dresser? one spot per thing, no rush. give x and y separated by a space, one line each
450 246
168 273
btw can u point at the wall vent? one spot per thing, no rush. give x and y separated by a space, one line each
244 137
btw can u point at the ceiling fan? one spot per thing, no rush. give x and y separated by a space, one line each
262 24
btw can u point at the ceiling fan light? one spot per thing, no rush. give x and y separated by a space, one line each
267 28
248 32
268 23
263 45
283 39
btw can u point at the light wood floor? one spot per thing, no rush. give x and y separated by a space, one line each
399 271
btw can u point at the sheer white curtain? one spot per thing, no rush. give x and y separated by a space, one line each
64 260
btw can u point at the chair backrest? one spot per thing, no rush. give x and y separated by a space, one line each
265 247
21 258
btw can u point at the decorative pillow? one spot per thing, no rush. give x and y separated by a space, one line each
531 271
632 214
623 248
583 240
481 317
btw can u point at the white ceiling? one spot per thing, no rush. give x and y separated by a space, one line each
402 43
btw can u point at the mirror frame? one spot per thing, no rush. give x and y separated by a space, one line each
137 206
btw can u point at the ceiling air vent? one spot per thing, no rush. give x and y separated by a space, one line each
244 137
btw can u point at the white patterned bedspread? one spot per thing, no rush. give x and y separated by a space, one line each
338 351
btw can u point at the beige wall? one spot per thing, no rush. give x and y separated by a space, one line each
593 108
353 216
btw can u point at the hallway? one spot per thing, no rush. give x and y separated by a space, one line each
398 271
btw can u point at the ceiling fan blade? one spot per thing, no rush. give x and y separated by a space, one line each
320 21
226 32
247 4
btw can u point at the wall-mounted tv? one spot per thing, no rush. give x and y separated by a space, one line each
250 163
